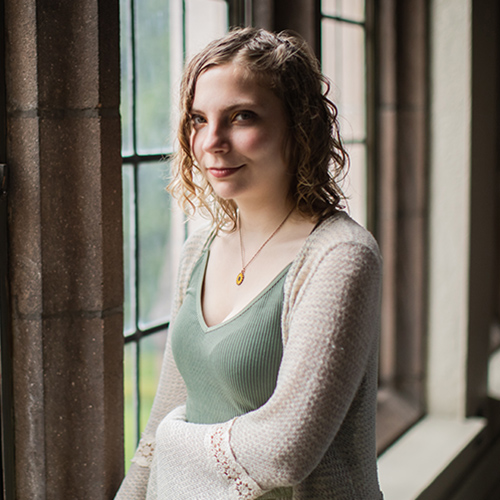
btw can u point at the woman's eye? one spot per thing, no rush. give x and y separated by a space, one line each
242 116
197 119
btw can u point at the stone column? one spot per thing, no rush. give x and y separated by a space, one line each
301 16
63 150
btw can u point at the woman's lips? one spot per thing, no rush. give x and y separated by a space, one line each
223 172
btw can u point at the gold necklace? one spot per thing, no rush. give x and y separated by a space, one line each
241 274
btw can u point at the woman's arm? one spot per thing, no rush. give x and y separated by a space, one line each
332 331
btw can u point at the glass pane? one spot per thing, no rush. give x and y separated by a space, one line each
176 62
355 184
130 437
343 47
205 21
126 76
152 76
353 10
129 249
151 356
155 263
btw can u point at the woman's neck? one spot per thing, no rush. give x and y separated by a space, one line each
261 220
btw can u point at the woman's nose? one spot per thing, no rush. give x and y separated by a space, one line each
216 139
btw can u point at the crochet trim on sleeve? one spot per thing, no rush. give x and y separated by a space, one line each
145 451
245 487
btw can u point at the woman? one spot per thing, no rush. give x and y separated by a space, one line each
268 387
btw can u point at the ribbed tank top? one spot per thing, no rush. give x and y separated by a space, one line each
231 368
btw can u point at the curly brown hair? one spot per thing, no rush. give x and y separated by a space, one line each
317 159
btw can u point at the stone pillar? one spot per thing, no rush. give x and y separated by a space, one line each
63 150
301 16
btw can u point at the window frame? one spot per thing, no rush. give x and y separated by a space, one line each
396 108
399 207
454 446
367 139
134 161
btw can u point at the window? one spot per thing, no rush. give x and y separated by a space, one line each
457 440
344 61
156 37
348 59
400 208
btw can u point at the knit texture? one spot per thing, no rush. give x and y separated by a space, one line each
317 431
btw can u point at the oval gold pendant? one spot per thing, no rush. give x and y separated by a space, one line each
240 278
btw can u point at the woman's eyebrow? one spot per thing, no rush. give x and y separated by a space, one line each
232 107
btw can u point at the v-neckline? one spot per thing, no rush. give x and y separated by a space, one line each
199 306
211 237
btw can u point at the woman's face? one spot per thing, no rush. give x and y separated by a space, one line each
238 133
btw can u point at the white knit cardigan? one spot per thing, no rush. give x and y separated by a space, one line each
317 431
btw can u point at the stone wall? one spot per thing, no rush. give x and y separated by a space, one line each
63 152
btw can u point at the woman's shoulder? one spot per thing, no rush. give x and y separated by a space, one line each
340 230
198 238
336 240
194 245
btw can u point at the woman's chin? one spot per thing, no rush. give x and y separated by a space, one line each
225 194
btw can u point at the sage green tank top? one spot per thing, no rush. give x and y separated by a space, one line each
231 368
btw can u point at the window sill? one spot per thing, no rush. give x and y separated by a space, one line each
418 465
395 415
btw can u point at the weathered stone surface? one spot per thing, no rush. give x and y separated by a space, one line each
25 222
29 409
82 406
21 55
65 230
68 41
